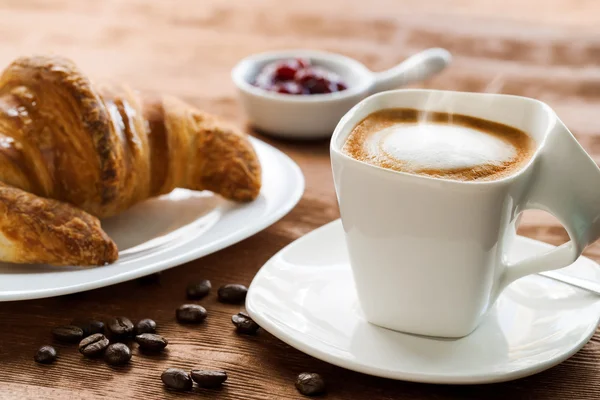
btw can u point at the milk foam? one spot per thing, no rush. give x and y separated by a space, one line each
438 146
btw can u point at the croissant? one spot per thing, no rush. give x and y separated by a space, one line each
71 151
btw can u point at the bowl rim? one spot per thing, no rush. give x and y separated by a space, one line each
367 77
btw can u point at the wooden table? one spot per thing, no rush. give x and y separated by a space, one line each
549 49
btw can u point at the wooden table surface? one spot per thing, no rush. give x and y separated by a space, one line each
548 49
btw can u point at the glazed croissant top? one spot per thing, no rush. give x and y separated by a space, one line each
99 150
105 149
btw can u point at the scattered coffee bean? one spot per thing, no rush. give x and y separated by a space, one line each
244 324
117 354
93 345
232 293
151 341
89 326
176 379
45 355
310 384
191 313
120 328
145 326
208 379
198 290
151 279
68 333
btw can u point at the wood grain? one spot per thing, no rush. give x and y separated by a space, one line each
548 49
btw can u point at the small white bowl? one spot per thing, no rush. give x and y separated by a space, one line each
316 115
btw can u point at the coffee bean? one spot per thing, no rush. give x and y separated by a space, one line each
177 379
68 333
93 345
45 355
145 326
198 290
244 324
191 314
117 354
208 379
89 326
232 293
151 341
152 279
310 384
120 328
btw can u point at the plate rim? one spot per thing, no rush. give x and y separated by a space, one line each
291 200
446 379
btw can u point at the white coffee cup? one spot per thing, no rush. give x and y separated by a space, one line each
429 255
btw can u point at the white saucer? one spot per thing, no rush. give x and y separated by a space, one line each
167 231
305 296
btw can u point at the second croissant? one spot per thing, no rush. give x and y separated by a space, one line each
66 143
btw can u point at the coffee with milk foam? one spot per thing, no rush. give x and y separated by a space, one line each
448 146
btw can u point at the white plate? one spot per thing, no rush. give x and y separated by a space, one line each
305 296
167 231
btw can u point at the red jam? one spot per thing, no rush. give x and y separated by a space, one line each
298 76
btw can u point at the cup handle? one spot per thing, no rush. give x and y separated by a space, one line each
415 68
566 183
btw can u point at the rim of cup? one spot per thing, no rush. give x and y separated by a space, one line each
335 147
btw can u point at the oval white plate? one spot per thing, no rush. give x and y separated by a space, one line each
305 296
167 231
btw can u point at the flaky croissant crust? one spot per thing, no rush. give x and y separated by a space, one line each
35 230
104 149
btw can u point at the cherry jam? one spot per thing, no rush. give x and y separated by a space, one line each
298 76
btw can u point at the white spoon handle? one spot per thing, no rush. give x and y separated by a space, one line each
415 68
585 284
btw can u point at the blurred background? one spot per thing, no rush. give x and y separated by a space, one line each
548 49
